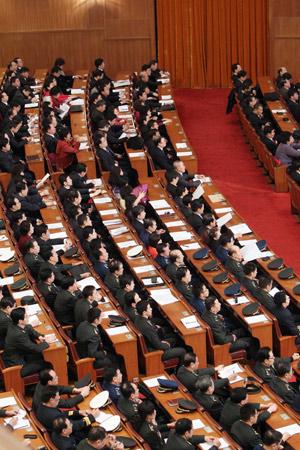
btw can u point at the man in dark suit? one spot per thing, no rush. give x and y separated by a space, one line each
139 215
79 179
62 434
293 103
200 294
185 179
221 335
32 258
257 119
51 138
107 157
280 384
265 363
131 299
249 281
232 407
234 262
182 438
189 373
151 335
128 403
268 138
4 106
163 257
65 301
242 430
7 161
89 342
51 262
159 156
263 293
195 219
287 323
6 307
85 303
20 347
172 178
226 242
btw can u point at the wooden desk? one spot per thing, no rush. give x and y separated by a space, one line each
31 429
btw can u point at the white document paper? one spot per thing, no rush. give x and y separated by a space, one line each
59 247
17 295
7 401
96 181
240 228
117 330
207 446
105 314
118 231
175 223
120 83
108 212
126 244
112 222
278 111
184 153
152 382
198 192
34 321
77 102
190 322
191 246
148 282
163 212
31 105
291 429
58 235
215 198
224 219
84 145
6 281
32 310
143 269
197 424
181 145
247 242
223 210
101 200
54 226
230 370
21 423
123 108
159 204
256 319
250 252
136 155
274 291
181 236
89 281
50 338
163 296
240 300
166 97
77 91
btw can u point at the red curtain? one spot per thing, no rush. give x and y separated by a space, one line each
198 40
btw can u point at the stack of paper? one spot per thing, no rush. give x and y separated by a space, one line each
198 192
108 212
7 401
77 102
103 416
215 198
117 330
112 222
159 204
142 269
184 153
197 424
181 236
84 145
181 145
17 295
256 319
111 312
6 281
31 310
238 301
121 83
224 219
230 370
292 429
240 228
102 200
89 281
77 91
166 97
118 231
163 296
31 105
126 244
191 246
175 223
33 320
58 235
190 322
274 291
152 382
54 226
163 212
223 442
247 242
22 421
50 338
123 108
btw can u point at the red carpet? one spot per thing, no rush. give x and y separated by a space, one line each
223 154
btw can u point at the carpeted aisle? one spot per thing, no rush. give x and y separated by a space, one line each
223 154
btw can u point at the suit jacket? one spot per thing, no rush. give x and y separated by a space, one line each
80 183
250 285
267 373
231 413
185 290
189 379
31 203
287 153
222 254
160 159
294 107
5 322
196 222
287 392
171 271
107 158
162 261
112 282
50 142
64 305
62 442
270 144
65 153
151 434
212 403
82 307
175 441
130 410
216 324
19 344
266 300
234 267
89 343
33 262
245 435
6 161
57 269
47 415
149 331
186 180
63 403
286 321
139 226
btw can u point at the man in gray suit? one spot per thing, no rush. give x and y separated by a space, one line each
287 151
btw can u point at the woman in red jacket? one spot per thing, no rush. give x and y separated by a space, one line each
66 150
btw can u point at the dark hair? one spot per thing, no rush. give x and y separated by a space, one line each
197 204
87 231
55 91
198 289
225 239
63 133
59 62
136 210
63 178
181 272
238 394
45 273
24 227
109 373
98 61
234 67
247 411
7 301
180 190
59 424
88 291
149 223
282 367
249 267
20 186
3 141
114 265
280 298
127 389
129 298
189 358
284 137
40 229
203 383
161 246
241 73
264 281
96 434
125 280
28 245
67 282
48 393
262 354
92 314
209 302
183 425
45 377
145 409
271 437
154 239
171 175
81 219
208 219
142 306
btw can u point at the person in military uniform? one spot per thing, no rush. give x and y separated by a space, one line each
112 380
150 332
20 347
272 440
89 343
232 407
98 438
182 438
128 403
183 283
265 360
65 301
242 430
206 396
263 293
112 278
32 258
48 411
84 304
47 287
48 377
189 373
126 286
221 335
286 319
6 307
131 300
234 263
176 258
249 281
280 384
150 431
61 435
